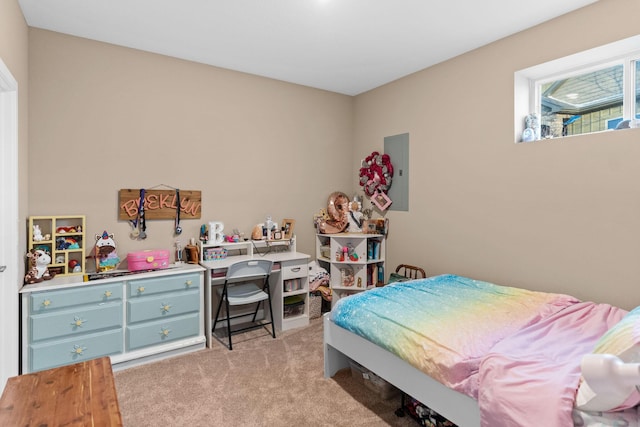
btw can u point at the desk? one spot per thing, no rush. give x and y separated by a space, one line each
82 394
288 265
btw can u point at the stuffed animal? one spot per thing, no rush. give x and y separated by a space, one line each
38 270
37 233
105 252
63 243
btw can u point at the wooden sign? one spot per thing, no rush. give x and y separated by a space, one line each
159 204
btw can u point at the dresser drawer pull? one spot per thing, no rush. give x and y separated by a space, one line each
295 269
188 283
46 303
140 289
164 332
165 307
107 294
78 350
77 321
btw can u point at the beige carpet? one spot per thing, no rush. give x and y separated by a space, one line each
262 382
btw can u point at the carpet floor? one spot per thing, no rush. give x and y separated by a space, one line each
262 382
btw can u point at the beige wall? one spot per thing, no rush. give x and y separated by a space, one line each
562 215
104 118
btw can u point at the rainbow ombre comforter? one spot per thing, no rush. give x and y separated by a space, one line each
517 352
444 325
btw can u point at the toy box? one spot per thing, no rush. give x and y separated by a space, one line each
151 259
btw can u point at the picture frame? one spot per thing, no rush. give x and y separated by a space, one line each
381 200
287 228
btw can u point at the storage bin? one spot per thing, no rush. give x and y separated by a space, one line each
325 251
292 285
373 382
384 389
293 306
315 306
212 254
151 259
358 371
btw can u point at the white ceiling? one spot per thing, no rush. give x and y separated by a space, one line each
344 46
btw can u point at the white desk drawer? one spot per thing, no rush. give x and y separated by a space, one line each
294 269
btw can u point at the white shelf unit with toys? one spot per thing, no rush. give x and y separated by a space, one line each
355 261
63 237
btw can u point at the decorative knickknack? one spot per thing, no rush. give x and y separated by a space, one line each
376 175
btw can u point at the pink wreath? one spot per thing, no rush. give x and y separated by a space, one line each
376 173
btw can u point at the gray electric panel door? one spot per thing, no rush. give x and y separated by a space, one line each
397 147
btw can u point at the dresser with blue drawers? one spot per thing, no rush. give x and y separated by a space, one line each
131 318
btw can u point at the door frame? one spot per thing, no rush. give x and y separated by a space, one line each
9 226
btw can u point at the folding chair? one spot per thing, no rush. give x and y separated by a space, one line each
246 282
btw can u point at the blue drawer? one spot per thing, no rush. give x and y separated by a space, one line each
91 294
140 288
161 306
74 350
162 331
76 321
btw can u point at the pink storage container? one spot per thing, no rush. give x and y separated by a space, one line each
151 259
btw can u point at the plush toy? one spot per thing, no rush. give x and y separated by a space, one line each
63 243
38 270
105 252
37 233
71 229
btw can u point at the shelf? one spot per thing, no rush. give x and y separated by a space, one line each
296 292
362 273
54 234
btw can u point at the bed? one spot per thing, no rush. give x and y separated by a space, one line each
461 345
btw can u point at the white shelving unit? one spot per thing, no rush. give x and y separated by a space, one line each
360 268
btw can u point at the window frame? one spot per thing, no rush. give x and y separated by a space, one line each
528 82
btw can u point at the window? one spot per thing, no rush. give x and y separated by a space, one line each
592 91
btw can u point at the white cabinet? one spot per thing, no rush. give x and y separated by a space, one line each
291 302
289 279
355 261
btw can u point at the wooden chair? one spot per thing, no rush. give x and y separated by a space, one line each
411 272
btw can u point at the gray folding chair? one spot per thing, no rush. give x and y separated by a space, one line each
246 282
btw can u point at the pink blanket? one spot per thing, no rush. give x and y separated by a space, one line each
536 371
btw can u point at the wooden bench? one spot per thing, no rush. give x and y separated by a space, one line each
83 394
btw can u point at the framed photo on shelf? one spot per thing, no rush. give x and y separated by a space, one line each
287 227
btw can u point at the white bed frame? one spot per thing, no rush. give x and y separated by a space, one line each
341 345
